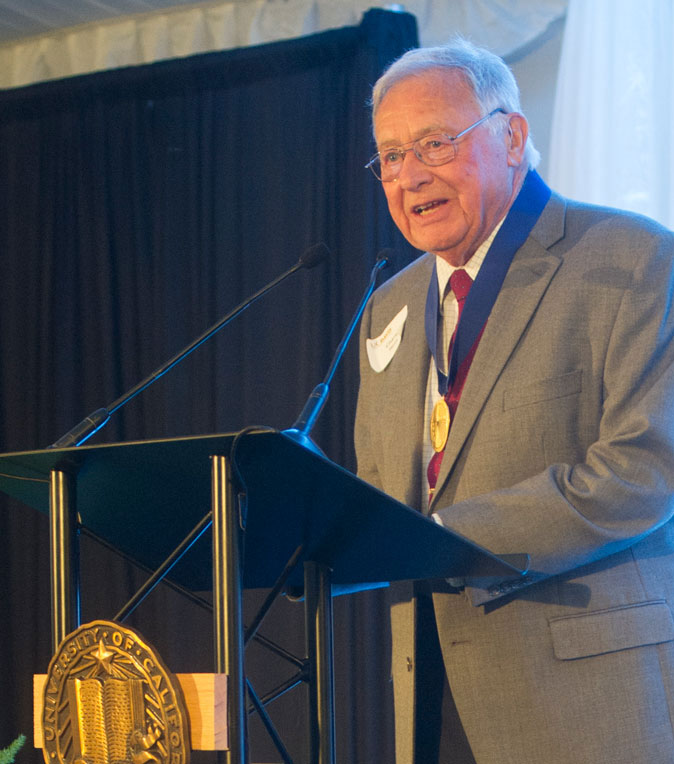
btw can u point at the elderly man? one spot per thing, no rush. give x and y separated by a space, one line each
524 398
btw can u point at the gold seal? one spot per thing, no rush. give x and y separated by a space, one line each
440 419
109 699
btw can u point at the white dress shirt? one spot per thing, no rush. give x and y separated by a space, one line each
449 312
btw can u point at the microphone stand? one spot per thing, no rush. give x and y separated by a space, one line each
301 429
97 419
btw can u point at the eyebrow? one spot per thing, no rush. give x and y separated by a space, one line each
431 130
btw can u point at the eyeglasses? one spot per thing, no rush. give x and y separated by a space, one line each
433 150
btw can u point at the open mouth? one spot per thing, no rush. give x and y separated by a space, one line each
424 209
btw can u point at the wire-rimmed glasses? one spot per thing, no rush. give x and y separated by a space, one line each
434 150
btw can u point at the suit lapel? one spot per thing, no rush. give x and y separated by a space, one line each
528 277
406 378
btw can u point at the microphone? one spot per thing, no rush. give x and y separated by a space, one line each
301 429
97 419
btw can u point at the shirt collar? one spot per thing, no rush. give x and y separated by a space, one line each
445 270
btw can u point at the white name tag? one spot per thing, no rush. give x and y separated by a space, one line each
381 350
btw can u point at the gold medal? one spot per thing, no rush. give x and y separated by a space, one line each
440 419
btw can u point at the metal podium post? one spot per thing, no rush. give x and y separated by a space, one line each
64 557
319 634
227 616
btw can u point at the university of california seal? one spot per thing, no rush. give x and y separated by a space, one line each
109 699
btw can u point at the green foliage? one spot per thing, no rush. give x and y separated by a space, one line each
7 754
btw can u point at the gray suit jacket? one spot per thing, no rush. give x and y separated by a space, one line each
562 447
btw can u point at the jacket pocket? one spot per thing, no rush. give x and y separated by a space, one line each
606 631
543 390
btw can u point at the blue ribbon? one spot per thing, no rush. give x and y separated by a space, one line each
519 221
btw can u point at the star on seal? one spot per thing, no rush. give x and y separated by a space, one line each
104 657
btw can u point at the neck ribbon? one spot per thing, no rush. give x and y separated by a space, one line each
519 221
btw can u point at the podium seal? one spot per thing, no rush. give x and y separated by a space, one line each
109 699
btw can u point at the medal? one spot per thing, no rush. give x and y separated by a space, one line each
440 419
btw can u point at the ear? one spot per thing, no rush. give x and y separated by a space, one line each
518 132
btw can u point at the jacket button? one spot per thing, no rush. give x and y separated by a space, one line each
410 665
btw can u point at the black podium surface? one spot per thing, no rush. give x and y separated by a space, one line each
144 497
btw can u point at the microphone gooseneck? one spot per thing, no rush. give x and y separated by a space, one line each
91 424
301 429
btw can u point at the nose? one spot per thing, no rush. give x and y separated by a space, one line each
413 173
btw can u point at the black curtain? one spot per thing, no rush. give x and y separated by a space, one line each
137 207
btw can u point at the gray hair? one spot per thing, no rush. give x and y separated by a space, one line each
487 75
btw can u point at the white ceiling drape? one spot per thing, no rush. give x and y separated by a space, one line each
502 25
612 141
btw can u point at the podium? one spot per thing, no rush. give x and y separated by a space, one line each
281 515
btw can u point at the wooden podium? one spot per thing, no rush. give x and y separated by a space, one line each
281 516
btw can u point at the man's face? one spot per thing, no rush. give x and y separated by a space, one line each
448 210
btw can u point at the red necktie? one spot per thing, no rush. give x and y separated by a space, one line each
460 283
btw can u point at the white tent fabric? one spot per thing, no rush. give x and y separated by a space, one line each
612 141
502 25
